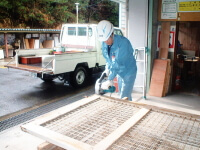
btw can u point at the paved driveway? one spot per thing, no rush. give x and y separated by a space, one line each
18 91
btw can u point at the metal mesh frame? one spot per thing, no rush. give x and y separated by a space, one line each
92 122
102 123
161 131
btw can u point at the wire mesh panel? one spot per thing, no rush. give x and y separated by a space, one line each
92 122
100 123
161 131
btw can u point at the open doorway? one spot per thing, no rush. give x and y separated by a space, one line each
187 74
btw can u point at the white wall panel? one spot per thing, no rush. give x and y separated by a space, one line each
137 22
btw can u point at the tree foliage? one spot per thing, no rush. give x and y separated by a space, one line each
51 13
102 10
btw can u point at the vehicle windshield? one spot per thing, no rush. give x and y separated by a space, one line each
118 32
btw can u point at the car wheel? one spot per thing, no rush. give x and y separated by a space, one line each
79 77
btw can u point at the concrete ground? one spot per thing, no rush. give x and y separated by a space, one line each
15 139
185 102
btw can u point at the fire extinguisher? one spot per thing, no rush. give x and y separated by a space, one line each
177 82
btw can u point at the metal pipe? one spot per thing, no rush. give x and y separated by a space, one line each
77 12
149 44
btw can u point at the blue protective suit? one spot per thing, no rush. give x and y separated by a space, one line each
121 63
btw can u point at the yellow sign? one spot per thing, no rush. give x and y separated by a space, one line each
189 6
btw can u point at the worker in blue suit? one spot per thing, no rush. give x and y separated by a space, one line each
120 61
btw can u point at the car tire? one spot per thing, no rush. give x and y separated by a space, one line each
79 77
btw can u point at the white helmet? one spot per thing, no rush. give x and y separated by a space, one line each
104 30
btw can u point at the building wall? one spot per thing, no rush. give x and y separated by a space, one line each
137 22
123 18
137 34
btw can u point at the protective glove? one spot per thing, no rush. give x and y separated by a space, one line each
105 85
107 72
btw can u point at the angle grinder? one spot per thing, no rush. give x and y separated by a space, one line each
99 90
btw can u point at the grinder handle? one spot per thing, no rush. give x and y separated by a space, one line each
102 77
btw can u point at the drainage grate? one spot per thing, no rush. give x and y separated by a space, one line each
16 120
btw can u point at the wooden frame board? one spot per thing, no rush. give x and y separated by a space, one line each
158 79
29 68
164 40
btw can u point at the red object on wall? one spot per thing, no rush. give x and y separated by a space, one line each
171 39
30 60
